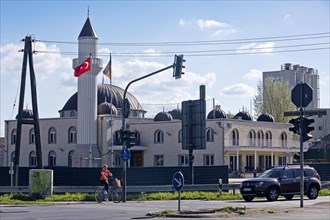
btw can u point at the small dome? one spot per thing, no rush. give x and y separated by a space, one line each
243 115
176 114
216 113
26 114
106 108
163 116
266 117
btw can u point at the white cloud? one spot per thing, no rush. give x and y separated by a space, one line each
151 52
205 24
239 89
223 32
253 74
267 47
182 22
287 19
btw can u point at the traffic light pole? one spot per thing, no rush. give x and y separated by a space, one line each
301 158
124 124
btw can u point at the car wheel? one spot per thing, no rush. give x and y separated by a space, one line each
248 198
312 192
288 197
272 194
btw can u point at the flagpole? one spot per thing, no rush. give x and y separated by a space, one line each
112 162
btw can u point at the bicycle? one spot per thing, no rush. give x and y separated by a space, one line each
115 192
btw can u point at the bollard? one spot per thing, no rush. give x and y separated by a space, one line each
220 186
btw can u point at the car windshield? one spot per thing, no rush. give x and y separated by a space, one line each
272 173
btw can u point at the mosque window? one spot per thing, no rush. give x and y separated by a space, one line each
32 159
252 138
70 158
159 136
268 139
159 160
72 135
235 137
52 136
72 114
183 160
209 135
13 136
260 138
284 139
208 160
31 136
52 159
180 136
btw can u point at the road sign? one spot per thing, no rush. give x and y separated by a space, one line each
302 95
318 112
178 181
125 154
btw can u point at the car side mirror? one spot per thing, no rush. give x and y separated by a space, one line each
283 177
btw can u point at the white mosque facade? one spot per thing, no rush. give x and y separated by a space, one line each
86 134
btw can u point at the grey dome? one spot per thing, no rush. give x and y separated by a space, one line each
216 113
26 114
105 92
163 116
243 115
106 108
176 114
266 117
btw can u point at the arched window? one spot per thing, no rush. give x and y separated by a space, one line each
72 135
31 136
284 139
73 114
260 138
252 138
32 159
70 158
268 139
52 136
235 137
13 136
209 135
180 136
159 136
52 158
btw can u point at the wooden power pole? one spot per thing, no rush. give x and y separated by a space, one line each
35 121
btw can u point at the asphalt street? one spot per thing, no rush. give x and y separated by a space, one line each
313 209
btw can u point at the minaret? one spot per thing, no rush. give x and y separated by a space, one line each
87 86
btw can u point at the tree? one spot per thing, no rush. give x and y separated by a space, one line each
277 99
258 101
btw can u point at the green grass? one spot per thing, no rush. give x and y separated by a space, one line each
19 198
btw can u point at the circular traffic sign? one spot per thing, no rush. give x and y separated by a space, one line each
125 154
178 181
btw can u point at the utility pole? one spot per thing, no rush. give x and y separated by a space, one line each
20 121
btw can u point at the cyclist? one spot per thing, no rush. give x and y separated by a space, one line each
106 175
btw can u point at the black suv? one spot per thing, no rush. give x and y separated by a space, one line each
281 180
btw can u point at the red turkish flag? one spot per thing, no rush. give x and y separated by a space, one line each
84 67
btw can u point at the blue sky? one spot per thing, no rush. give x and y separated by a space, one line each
230 77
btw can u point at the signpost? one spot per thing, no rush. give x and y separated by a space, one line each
178 182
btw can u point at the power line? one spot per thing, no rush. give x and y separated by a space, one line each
214 42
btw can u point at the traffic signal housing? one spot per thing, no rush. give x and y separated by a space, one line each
178 66
306 129
131 139
296 124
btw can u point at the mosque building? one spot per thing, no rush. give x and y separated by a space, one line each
87 131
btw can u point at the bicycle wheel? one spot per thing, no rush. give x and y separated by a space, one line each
99 194
116 194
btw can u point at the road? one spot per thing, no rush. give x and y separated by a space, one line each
313 209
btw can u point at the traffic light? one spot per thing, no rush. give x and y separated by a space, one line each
131 139
295 122
178 66
123 136
306 129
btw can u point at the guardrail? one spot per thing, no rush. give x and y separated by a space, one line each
130 189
